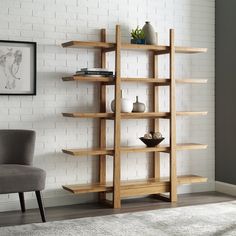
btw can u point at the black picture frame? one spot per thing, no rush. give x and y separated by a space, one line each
14 61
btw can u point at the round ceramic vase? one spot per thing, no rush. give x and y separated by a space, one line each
126 105
149 33
138 106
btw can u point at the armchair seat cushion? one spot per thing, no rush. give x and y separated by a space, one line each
21 178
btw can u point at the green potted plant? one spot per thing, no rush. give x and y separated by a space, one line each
137 36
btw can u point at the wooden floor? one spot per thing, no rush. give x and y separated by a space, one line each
88 210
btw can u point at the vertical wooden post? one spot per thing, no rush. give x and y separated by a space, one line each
102 138
173 174
117 135
155 92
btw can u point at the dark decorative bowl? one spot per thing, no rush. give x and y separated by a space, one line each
151 142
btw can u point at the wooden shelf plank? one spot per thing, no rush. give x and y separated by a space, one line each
145 115
110 151
150 186
164 148
190 50
111 80
159 148
135 187
190 179
89 151
154 186
159 82
88 188
191 113
127 46
132 115
191 81
190 146
79 44
162 48
88 115
88 78
163 82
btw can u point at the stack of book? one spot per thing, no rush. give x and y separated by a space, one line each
95 72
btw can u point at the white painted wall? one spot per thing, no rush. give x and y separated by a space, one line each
51 22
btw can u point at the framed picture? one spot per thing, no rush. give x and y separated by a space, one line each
17 68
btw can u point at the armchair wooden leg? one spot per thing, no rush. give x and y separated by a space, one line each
41 207
22 201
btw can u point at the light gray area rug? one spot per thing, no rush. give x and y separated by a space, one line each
208 220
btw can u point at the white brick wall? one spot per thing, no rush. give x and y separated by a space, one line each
51 22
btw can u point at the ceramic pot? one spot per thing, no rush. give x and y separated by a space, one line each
138 106
149 33
138 41
126 105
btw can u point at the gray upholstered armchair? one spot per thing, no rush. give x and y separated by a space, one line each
16 173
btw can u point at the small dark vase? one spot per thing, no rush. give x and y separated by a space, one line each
138 41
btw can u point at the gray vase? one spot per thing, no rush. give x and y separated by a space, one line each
149 33
138 106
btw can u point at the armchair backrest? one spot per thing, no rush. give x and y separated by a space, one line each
17 146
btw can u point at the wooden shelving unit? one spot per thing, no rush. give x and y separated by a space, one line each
155 185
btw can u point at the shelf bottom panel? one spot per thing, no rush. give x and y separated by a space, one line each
135 187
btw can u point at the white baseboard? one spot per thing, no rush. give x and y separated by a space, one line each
225 188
